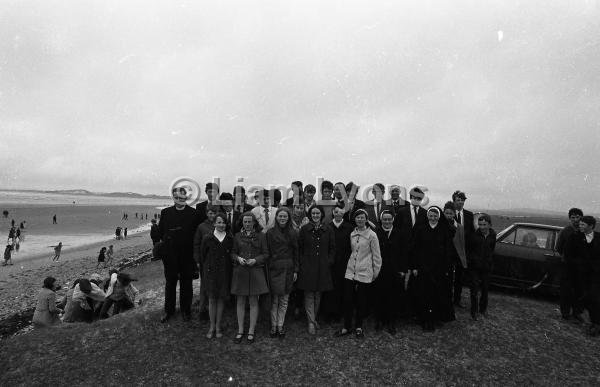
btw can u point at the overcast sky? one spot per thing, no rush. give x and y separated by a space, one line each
499 99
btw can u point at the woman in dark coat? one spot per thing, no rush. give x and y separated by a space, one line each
249 255
316 245
389 285
215 258
430 250
331 305
282 241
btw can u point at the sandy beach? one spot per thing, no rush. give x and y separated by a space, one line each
20 283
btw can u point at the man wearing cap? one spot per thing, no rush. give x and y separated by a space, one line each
177 226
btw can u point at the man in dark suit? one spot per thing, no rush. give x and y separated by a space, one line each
212 192
584 248
239 208
409 216
378 205
351 202
464 217
177 226
395 202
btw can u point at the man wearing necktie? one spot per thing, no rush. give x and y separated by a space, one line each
265 213
465 218
395 203
374 210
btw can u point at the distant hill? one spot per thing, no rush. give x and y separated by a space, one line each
89 193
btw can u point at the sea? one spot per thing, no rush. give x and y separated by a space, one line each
81 219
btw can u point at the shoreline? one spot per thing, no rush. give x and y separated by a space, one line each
20 282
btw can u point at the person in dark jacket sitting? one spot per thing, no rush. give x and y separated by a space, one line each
480 251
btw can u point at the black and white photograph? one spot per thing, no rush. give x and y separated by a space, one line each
326 192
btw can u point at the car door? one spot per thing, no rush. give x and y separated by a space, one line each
526 254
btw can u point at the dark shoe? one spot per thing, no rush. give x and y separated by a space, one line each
250 338
165 317
238 338
281 333
359 333
342 332
391 329
273 334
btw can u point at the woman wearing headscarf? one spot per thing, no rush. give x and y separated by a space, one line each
282 242
249 255
316 245
46 312
389 286
430 249
362 269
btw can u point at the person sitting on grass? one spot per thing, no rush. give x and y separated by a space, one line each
121 293
85 295
46 313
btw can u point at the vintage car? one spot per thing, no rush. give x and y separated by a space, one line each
525 258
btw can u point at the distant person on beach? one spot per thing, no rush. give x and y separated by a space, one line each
118 233
12 232
177 226
7 255
146 216
54 219
46 313
101 257
57 250
109 255
136 215
125 233
571 281
154 232
12 223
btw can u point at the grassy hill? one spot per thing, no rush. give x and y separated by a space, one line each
522 342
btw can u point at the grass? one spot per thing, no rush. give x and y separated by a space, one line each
522 342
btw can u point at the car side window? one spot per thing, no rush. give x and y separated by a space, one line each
532 237
509 238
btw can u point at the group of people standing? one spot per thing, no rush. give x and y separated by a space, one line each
345 260
579 246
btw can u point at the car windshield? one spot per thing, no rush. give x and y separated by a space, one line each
530 237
